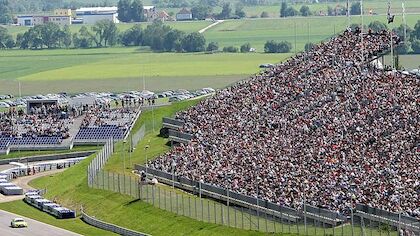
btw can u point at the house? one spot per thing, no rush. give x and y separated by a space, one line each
149 12
184 14
162 16
91 15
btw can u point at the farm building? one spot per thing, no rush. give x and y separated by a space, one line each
184 14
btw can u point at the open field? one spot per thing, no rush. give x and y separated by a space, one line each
308 29
122 69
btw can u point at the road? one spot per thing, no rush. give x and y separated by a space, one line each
35 228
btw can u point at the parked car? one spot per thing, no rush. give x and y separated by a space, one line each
18 223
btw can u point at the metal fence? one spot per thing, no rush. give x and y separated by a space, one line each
110 227
99 161
206 209
135 138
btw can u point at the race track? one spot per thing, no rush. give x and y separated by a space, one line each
35 228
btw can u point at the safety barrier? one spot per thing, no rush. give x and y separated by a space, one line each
109 227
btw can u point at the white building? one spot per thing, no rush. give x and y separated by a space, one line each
91 15
39 20
184 14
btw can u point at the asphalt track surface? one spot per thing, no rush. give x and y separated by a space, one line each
35 228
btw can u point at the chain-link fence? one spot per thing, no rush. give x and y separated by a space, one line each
207 210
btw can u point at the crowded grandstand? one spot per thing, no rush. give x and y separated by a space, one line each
324 128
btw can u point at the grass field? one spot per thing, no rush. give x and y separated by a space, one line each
122 69
19 154
313 29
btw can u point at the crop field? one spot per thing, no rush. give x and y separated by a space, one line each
313 29
122 69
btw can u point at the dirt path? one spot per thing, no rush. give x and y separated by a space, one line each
210 26
23 182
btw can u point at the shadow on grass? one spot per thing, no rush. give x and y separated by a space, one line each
132 202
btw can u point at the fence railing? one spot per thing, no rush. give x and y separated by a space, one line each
109 227
179 136
135 138
172 123
99 161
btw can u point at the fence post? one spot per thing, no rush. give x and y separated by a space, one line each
266 223
195 208
234 210
250 220
131 182
103 179
159 196
109 188
183 204
189 206
242 217
202 209
215 213
176 205
119 187
164 194
208 211
153 194
221 213
170 198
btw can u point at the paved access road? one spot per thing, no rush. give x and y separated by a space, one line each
35 228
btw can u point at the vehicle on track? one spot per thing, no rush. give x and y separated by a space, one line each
18 223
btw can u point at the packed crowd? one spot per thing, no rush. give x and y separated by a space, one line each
100 115
323 127
39 122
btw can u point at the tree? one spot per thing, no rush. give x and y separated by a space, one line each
172 39
400 32
50 34
124 10
377 26
239 11
283 9
136 11
309 46
200 12
231 49
330 11
66 37
274 47
245 47
106 33
290 11
194 42
264 14
305 11
132 36
5 12
355 8
213 46
6 40
416 32
415 45
226 11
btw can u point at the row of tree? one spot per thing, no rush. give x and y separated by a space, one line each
104 33
131 10
286 10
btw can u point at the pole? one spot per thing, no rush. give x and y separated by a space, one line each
123 151
348 14
362 30
404 20
295 39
